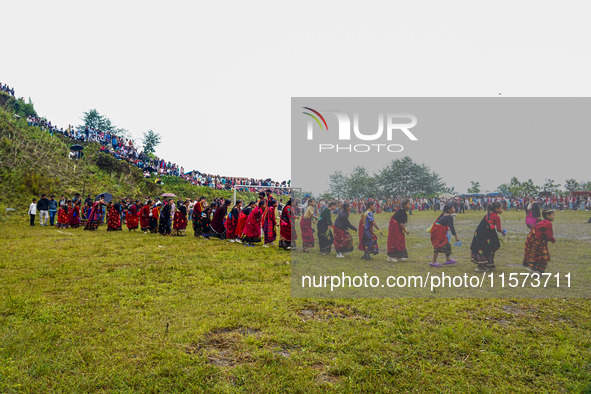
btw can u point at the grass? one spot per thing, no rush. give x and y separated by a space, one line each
96 311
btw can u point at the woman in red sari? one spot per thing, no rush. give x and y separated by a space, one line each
232 221
270 223
62 217
252 229
396 234
242 218
74 215
287 231
179 223
95 215
306 226
114 217
144 215
131 217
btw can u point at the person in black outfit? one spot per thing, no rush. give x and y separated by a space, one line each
343 243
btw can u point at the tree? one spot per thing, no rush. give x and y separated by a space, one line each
94 119
504 189
360 184
151 140
551 187
529 189
475 188
571 185
405 178
338 184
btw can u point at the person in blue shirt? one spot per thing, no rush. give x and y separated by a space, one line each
368 241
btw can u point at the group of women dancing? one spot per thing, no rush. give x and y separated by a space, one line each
485 242
258 221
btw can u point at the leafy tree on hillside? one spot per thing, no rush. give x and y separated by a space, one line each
151 140
21 108
94 119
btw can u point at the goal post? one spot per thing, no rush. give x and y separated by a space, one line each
237 187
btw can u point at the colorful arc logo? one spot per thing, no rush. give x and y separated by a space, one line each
315 118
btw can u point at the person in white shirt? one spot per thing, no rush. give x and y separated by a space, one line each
33 211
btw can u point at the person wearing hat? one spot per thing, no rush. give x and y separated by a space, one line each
52 209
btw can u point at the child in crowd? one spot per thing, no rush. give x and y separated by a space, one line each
486 241
537 256
443 224
33 211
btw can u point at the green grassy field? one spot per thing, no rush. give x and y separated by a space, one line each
96 311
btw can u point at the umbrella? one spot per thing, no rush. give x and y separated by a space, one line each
446 195
107 196
76 147
149 169
168 195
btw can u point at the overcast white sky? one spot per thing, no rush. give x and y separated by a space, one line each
215 78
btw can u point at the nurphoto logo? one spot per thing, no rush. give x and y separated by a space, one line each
388 126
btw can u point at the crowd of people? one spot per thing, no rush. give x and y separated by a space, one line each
124 149
6 89
259 221
464 203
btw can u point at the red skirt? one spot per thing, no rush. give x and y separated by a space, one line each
438 236
114 222
307 232
396 240
180 221
231 227
343 242
241 223
132 221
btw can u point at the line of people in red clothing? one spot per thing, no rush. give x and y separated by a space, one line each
258 222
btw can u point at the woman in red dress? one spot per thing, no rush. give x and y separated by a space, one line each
232 221
131 217
114 217
74 215
397 234
537 256
306 226
252 229
179 223
62 217
242 218
145 216
287 233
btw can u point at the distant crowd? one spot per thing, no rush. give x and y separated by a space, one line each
463 204
6 89
124 149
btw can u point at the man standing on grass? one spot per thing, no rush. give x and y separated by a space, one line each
43 208
52 209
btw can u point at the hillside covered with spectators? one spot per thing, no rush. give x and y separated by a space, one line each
35 160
